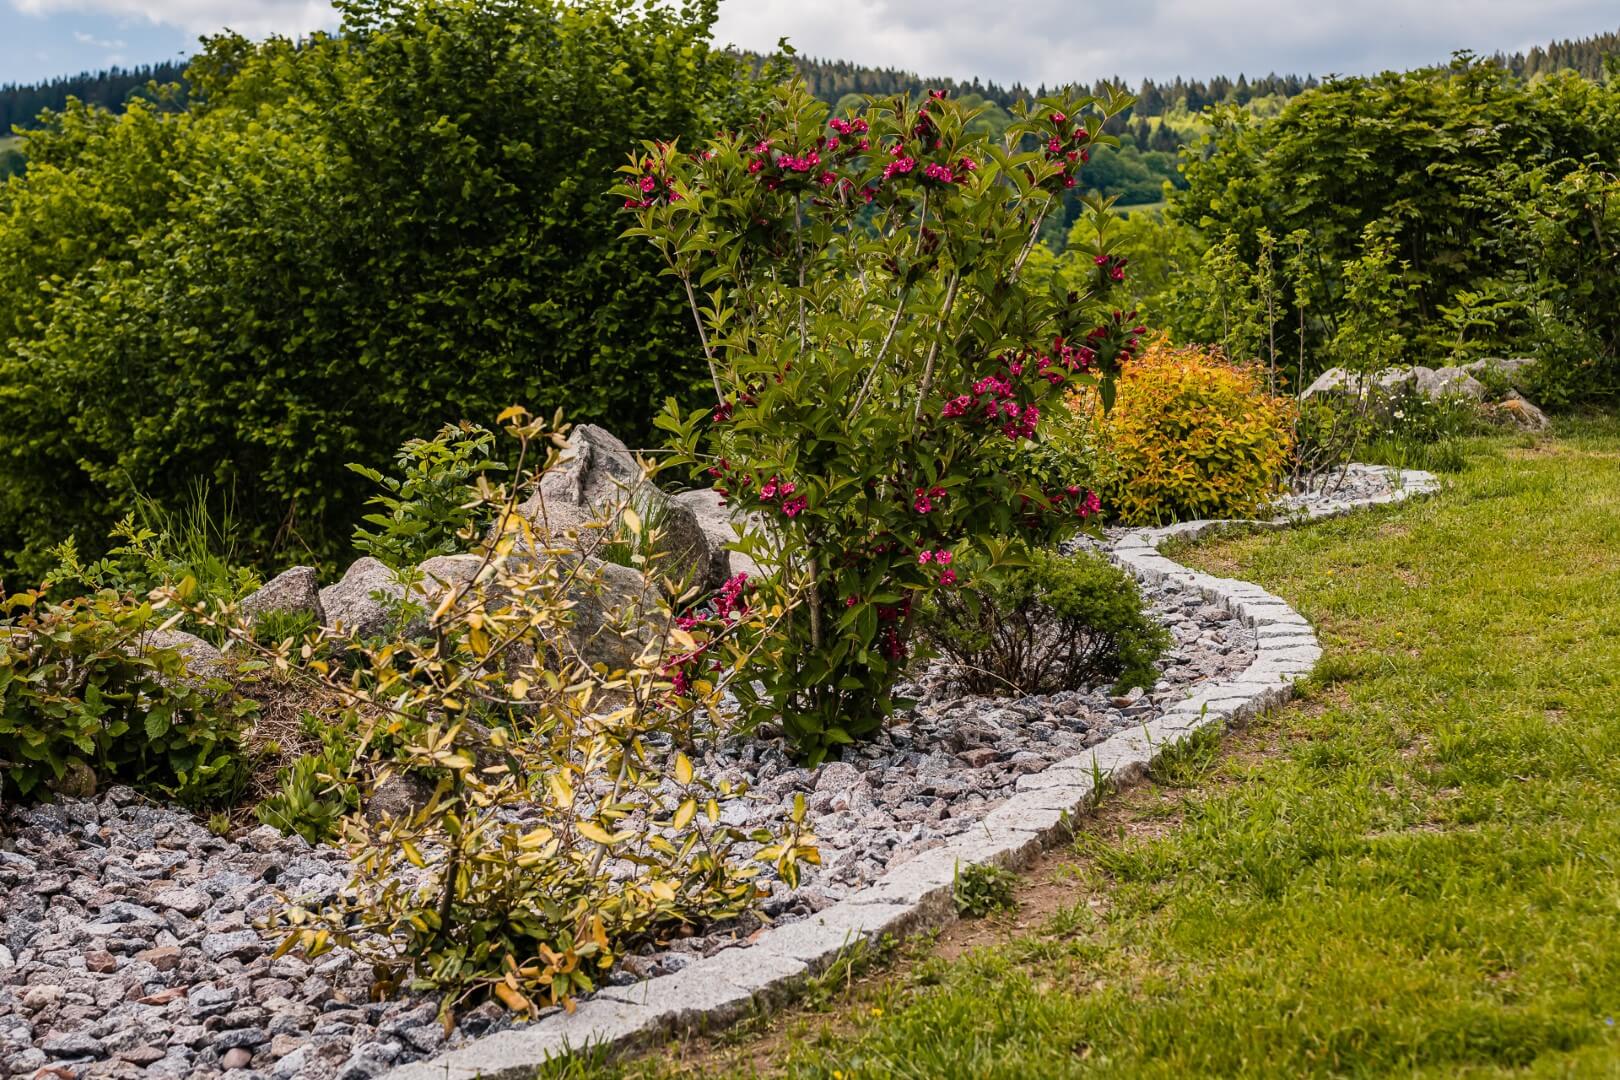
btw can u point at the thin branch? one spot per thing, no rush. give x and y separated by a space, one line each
883 350
933 350
708 351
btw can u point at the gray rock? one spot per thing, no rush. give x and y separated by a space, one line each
720 521
599 478
295 592
240 944
351 605
1380 388
1514 411
1437 383
1512 369
72 1044
211 1000
202 660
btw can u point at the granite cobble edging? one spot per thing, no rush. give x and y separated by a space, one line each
919 893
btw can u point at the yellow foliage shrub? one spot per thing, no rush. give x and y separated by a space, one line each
1191 435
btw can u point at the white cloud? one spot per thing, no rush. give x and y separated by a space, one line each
256 18
1057 41
100 43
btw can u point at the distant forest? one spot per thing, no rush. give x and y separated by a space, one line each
830 80
20 106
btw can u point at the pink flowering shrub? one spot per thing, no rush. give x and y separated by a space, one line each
882 369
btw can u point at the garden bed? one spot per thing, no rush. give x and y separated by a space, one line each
129 949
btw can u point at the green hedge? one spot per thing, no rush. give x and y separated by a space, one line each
336 246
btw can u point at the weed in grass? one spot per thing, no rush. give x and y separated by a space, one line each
983 890
1188 762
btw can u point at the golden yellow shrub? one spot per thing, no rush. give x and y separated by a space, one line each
1191 435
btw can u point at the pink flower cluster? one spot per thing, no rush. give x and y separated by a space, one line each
995 401
1068 150
652 186
922 499
783 490
728 605
1113 266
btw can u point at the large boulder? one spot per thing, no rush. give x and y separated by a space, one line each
596 480
1510 368
616 615
296 592
203 661
720 521
1437 383
1382 389
353 605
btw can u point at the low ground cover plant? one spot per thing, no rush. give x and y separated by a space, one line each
1053 622
1192 435
881 367
90 694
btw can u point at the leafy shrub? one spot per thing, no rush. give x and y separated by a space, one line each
1486 185
981 890
1057 623
431 508
539 719
82 688
1193 436
1571 225
881 365
408 255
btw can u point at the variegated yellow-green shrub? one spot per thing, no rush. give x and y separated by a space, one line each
1191 435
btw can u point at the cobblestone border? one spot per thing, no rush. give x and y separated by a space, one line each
917 894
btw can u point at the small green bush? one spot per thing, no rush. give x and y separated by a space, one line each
1058 623
79 689
431 508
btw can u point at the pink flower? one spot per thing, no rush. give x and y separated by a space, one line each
923 504
925 557
942 557
795 507
948 578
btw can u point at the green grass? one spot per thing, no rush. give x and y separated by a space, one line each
1415 871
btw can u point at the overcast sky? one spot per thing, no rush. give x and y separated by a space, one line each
1032 41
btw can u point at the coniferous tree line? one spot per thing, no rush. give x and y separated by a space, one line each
1584 56
21 105
830 80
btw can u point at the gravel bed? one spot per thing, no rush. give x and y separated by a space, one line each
127 946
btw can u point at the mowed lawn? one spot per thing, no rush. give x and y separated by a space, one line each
1412 871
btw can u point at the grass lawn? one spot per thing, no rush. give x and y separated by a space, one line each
1414 870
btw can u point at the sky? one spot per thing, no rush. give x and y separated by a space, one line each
1029 41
